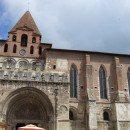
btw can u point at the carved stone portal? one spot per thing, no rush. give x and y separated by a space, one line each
29 105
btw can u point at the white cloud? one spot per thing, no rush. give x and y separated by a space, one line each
86 24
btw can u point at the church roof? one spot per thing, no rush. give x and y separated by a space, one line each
87 52
26 21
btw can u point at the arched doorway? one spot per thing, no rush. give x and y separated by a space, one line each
29 105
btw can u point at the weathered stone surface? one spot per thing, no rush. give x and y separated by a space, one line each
35 88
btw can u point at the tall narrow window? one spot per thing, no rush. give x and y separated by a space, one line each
33 40
73 81
14 38
106 116
6 48
31 49
14 49
102 80
128 76
24 40
40 50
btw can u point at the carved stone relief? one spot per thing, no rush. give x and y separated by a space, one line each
22 71
3 94
2 116
28 75
28 111
23 65
37 66
62 110
1 73
9 64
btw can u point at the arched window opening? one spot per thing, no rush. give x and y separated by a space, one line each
34 40
31 49
6 48
14 49
40 50
14 38
71 115
24 40
73 82
102 80
128 77
106 116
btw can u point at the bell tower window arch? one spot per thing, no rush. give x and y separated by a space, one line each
6 48
34 40
24 40
14 38
31 50
14 48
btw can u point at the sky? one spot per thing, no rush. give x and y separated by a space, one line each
90 25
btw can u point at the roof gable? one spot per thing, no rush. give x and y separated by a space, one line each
27 22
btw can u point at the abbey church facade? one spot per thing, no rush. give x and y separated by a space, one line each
60 89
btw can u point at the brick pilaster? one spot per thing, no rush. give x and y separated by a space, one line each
91 118
119 94
118 74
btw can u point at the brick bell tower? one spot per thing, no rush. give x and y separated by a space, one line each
24 38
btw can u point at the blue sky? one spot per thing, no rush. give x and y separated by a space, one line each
4 24
92 25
